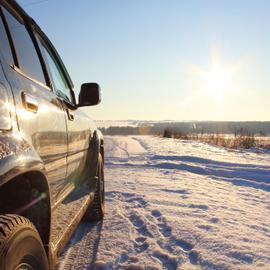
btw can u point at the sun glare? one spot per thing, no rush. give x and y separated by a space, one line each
217 81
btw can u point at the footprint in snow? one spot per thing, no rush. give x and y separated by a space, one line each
156 213
136 221
139 225
199 206
140 244
124 257
140 202
194 257
183 244
140 239
242 257
177 191
166 260
214 220
204 227
164 229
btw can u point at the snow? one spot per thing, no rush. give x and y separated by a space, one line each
114 123
173 204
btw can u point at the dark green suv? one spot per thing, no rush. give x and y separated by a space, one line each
51 152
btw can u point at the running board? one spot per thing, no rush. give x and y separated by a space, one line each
66 218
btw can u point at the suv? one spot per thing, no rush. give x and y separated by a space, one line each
51 153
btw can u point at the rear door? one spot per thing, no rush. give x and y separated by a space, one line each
40 114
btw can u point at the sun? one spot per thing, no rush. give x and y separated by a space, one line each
217 81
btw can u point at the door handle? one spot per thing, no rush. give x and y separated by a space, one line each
29 102
70 115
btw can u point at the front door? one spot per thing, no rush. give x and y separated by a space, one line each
78 124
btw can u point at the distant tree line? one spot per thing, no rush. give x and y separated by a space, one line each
203 127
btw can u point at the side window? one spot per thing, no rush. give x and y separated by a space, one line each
4 44
59 81
26 52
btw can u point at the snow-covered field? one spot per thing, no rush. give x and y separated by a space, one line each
175 204
114 123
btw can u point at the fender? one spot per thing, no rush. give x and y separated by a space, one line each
17 157
96 145
19 161
90 171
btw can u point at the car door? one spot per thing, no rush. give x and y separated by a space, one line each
78 124
40 115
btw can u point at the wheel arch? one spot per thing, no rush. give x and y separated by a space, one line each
28 195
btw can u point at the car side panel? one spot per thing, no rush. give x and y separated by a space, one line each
44 130
79 137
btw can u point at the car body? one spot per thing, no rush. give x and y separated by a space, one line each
51 152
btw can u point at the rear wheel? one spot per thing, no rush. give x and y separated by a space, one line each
20 245
96 209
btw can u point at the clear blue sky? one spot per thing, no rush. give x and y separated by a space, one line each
157 59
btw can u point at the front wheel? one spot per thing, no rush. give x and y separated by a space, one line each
20 245
96 209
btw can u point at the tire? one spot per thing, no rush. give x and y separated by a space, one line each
96 209
20 245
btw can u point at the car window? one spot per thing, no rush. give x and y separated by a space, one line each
58 79
5 45
28 59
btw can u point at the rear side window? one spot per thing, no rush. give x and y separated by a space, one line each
26 52
4 44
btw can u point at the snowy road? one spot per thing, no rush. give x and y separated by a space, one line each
174 204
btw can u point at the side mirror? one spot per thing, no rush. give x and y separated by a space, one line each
89 95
